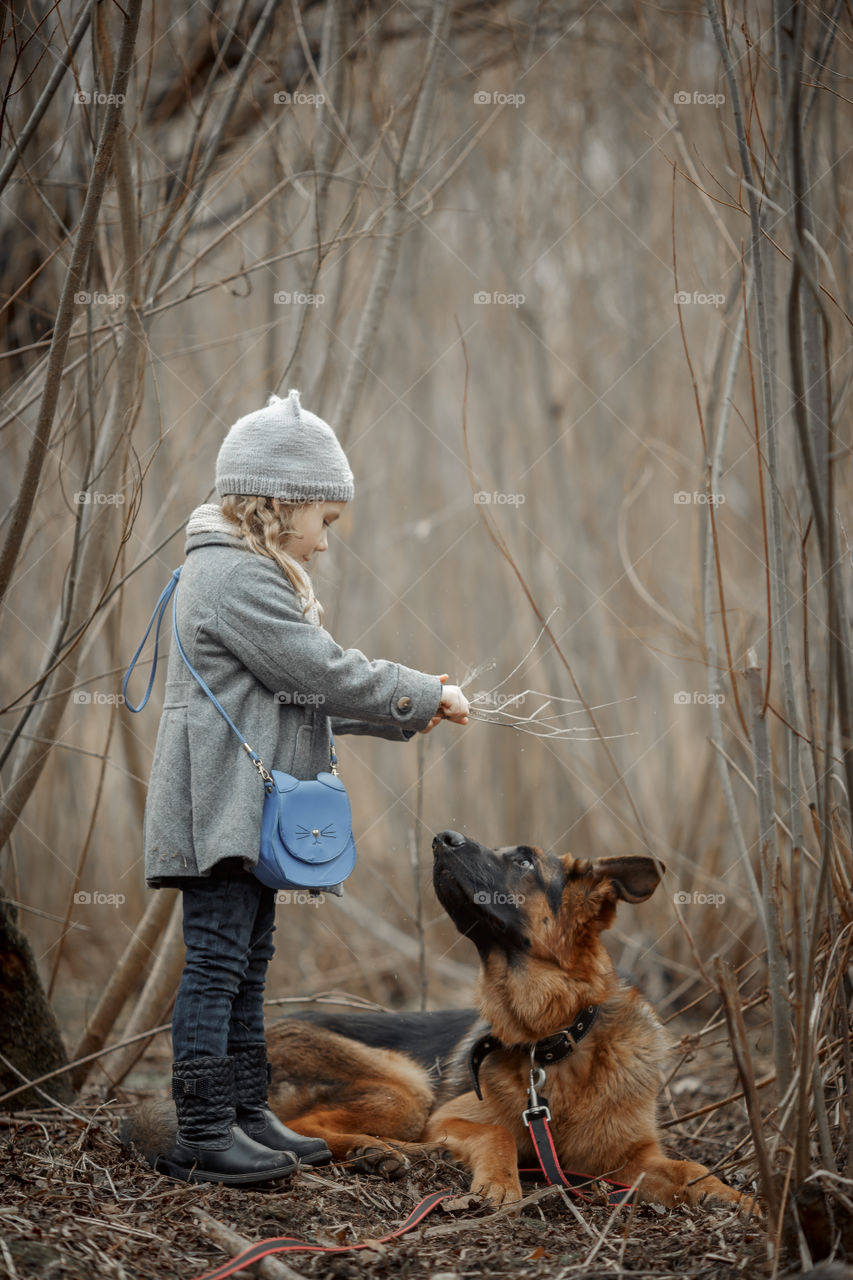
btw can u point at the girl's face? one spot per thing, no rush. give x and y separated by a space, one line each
311 522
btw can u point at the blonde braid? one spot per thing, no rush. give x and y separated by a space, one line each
265 524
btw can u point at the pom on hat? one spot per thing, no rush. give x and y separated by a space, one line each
283 451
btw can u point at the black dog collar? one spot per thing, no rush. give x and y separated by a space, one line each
543 1052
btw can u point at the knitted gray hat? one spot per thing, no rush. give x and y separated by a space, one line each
282 451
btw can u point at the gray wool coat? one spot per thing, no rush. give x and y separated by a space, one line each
282 680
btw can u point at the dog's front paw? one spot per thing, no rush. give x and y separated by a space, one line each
750 1206
720 1194
385 1161
711 1191
501 1189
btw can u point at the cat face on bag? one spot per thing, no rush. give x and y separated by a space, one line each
310 523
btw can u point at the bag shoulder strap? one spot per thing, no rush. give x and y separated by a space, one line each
157 616
170 591
192 670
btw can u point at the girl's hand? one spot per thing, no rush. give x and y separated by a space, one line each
453 706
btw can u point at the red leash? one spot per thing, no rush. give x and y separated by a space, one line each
536 1117
289 1244
543 1143
555 1176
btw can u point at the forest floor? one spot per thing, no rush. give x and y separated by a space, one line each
75 1204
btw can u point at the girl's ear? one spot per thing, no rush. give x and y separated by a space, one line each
633 878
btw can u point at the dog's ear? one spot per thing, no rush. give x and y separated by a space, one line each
634 878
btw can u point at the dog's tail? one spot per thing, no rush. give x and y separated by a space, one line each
152 1127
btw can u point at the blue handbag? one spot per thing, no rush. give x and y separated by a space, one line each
306 826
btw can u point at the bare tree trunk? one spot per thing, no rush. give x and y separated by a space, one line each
394 223
95 547
768 853
46 95
65 314
29 1034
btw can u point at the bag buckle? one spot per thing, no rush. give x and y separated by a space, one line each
266 776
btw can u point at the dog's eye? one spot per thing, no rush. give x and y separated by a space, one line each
526 864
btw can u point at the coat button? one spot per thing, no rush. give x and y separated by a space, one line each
404 704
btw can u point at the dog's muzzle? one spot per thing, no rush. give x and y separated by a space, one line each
447 840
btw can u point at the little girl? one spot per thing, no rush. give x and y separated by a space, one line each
250 624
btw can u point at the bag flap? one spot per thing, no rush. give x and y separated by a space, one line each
277 869
314 818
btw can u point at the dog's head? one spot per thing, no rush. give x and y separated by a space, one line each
536 917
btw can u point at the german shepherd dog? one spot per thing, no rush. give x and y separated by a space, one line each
376 1086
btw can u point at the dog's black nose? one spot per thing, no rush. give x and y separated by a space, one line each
452 838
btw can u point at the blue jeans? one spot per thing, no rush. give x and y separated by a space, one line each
229 920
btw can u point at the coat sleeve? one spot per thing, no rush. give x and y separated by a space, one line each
259 619
365 727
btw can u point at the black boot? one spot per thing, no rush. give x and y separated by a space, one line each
252 1073
210 1147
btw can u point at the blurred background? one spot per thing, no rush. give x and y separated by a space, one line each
569 231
